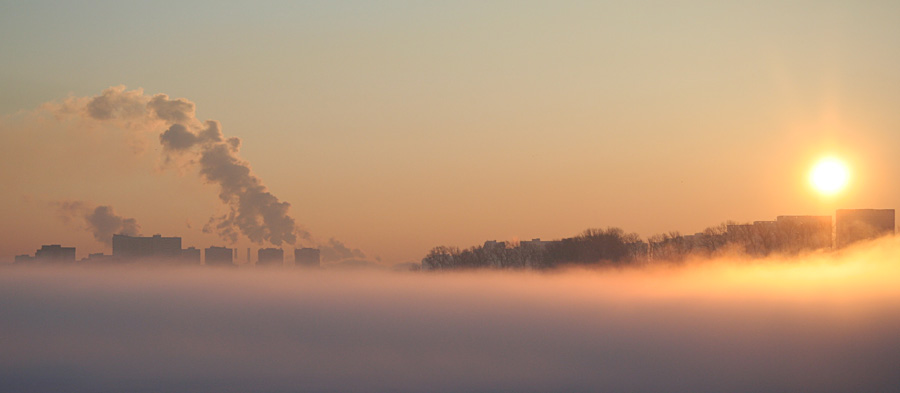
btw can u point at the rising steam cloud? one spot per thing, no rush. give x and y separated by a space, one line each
253 211
335 250
101 221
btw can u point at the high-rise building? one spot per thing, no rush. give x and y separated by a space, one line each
270 257
55 253
190 256
853 225
801 233
219 256
307 257
156 247
785 235
49 253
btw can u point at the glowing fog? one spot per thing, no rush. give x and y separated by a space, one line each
828 322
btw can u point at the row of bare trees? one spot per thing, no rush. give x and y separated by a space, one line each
605 247
614 247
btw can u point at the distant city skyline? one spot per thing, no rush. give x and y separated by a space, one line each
390 128
787 236
449 196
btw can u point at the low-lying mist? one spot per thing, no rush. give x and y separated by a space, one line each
825 322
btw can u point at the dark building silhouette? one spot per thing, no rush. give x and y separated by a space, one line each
536 243
55 253
738 232
24 258
219 256
307 257
802 233
785 235
190 256
130 248
52 253
765 238
98 257
853 225
270 257
493 244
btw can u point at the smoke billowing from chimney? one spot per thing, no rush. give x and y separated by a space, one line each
101 221
253 211
335 250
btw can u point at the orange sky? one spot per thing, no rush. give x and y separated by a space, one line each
394 129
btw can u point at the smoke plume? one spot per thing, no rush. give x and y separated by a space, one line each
253 211
335 250
101 221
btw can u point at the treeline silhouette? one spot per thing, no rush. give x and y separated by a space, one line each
613 247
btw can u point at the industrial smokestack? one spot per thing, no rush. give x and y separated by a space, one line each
252 211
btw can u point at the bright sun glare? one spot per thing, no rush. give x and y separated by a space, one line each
829 176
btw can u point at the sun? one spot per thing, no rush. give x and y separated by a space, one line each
829 176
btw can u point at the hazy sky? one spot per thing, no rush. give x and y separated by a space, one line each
395 127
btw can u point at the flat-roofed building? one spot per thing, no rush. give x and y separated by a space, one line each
190 256
98 258
739 233
307 257
55 253
493 244
156 247
24 258
853 225
804 233
785 235
49 253
536 243
219 256
270 257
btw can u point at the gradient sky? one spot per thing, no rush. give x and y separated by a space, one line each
395 127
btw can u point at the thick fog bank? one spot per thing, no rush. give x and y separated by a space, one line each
828 323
